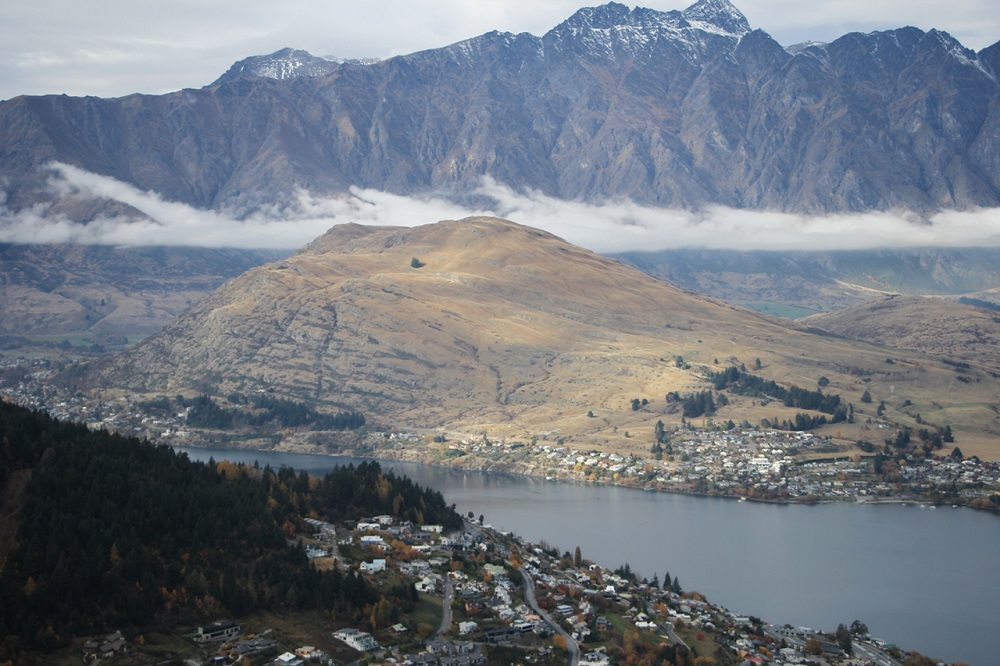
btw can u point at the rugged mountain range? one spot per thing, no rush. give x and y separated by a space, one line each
679 109
485 326
799 283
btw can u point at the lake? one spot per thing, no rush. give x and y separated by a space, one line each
926 579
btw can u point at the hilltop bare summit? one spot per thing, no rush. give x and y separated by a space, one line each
486 326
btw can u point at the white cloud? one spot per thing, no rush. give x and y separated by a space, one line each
624 226
610 227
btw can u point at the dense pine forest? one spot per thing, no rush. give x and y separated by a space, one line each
743 383
117 532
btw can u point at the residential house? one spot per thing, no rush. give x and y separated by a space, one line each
501 635
255 645
372 567
372 541
450 648
426 585
309 653
595 658
109 646
220 631
422 659
359 640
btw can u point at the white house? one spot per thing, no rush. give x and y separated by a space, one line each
372 541
465 628
374 566
359 640
426 584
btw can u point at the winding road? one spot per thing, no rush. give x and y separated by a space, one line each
573 650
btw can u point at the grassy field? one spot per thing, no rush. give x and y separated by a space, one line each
428 612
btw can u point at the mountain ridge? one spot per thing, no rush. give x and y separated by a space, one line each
680 109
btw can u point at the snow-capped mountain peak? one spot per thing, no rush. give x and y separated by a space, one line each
704 28
720 14
286 63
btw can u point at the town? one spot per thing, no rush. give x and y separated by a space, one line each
499 599
754 464
745 462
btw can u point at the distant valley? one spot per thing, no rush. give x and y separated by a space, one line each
54 291
795 284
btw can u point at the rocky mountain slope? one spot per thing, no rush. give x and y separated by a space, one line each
677 109
484 326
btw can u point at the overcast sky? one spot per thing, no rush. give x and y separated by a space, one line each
112 47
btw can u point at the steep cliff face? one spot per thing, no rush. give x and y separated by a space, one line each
681 109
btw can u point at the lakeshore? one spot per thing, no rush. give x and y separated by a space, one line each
743 461
815 566
753 465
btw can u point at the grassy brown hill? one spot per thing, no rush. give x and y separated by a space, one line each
960 333
499 329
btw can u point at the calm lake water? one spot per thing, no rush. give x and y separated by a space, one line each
923 578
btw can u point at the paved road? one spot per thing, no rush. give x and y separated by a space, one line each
668 629
445 607
879 657
573 658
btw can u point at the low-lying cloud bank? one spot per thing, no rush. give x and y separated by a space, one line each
609 227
